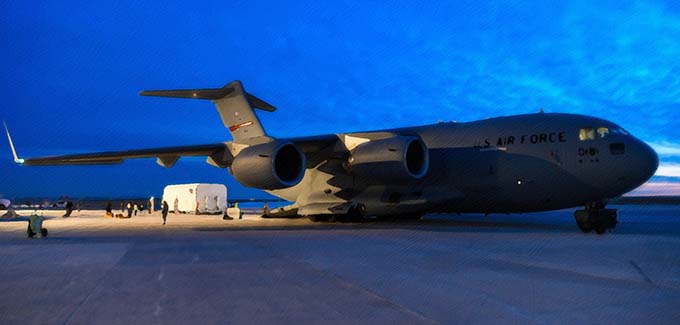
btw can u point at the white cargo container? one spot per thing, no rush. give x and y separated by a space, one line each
196 198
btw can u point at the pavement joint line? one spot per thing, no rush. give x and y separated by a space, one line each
642 273
594 276
98 282
347 283
368 291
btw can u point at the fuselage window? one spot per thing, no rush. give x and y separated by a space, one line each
617 148
602 131
586 134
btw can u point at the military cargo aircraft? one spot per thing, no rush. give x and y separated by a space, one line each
513 164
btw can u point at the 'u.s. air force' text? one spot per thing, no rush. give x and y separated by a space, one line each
552 137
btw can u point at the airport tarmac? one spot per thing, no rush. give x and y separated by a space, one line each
531 268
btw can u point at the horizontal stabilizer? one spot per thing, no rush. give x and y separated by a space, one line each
229 90
235 105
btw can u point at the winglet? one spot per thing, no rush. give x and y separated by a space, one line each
11 144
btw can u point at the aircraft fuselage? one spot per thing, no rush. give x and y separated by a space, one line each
512 164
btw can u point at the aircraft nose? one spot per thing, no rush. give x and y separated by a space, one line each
644 160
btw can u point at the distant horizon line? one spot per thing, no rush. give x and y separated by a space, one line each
96 198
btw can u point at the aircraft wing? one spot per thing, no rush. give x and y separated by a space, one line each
218 153
166 156
317 148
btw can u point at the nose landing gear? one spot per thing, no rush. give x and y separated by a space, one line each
596 217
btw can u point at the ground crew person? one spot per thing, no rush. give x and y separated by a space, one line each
108 209
135 207
35 226
265 209
151 204
69 209
129 208
164 211
176 207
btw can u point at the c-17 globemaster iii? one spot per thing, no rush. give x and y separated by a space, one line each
513 164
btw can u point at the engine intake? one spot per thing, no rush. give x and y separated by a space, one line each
270 166
392 159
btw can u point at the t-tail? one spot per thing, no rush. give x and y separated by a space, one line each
235 106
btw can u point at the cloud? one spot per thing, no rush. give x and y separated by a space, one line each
668 170
666 148
657 189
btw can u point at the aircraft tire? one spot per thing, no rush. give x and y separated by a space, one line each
583 221
413 216
354 214
600 229
43 232
584 228
318 218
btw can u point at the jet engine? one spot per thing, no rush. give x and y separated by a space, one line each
394 159
269 166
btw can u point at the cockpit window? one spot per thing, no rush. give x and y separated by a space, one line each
589 133
586 134
602 131
619 130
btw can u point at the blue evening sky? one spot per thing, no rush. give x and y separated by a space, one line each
71 72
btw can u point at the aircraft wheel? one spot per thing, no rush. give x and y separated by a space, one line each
600 229
583 220
356 213
586 229
413 216
316 218
43 232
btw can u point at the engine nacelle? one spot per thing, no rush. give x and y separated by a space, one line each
394 159
270 166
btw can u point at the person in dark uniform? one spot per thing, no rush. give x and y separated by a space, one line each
164 211
69 209
108 209
129 208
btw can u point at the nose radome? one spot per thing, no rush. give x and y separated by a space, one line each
646 160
